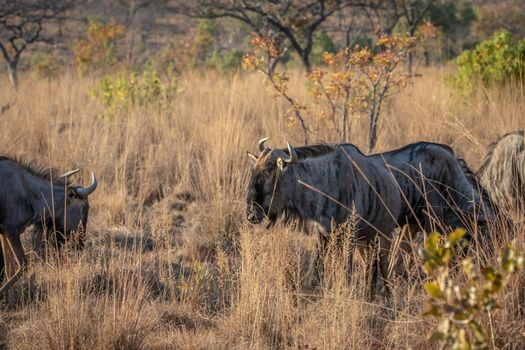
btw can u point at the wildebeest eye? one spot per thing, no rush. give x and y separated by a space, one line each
267 174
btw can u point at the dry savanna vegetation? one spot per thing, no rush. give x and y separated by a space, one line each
170 260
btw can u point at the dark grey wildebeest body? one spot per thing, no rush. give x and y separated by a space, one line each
336 179
34 195
503 173
440 191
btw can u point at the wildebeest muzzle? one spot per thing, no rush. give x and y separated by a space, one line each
255 213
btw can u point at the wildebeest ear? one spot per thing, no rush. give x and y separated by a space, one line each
253 157
71 192
281 164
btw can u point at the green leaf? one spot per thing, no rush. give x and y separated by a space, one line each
434 290
457 235
462 342
433 241
438 336
432 310
477 331
490 274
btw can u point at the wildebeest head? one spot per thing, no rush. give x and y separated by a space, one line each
263 197
71 217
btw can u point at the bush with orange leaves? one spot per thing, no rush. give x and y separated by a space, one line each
263 59
99 48
354 82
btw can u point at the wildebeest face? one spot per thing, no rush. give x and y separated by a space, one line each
71 219
263 198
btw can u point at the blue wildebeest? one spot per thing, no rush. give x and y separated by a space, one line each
503 173
438 191
320 186
34 195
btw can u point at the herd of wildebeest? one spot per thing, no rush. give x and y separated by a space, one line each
421 187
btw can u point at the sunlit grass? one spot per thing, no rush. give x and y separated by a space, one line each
170 260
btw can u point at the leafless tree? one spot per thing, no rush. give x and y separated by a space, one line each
22 23
133 7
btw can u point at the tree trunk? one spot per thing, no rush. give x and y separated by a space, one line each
345 119
131 45
410 58
273 66
12 69
372 139
410 63
305 58
372 132
427 58
345 126
129 28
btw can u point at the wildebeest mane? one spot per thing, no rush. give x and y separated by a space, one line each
312 151
36 168
319 150
492 146
417 146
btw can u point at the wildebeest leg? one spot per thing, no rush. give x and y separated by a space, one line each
369 254
8 261
316 269
371 272
384 254
408 233
14 259
10 269
38 243
2 265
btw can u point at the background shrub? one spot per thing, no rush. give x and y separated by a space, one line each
144 88
495 60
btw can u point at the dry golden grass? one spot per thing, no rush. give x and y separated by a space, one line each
170 261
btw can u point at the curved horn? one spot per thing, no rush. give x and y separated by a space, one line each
68 174
293 155
85 192
262 142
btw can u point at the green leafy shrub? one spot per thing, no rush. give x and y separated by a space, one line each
462 309
146 89
203 45
45 64
495 60
322 43
225 61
